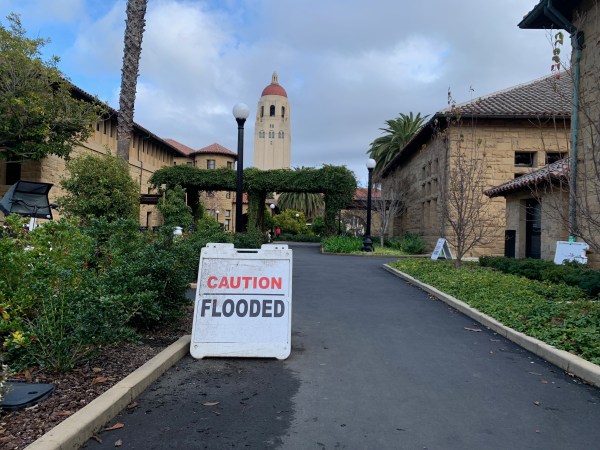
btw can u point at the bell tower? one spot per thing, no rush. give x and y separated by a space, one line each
272 134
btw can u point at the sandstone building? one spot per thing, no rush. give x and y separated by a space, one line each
147 153
580 19
511 133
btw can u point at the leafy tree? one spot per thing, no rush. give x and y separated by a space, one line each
39 116
100 186
311 204
175 212
397 134
134 31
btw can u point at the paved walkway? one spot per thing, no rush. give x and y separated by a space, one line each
376 364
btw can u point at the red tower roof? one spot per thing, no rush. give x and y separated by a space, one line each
274 88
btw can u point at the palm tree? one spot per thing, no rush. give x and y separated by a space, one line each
398 132
134 30
308 202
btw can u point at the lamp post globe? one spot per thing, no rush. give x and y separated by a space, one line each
272 206
240 112
367 242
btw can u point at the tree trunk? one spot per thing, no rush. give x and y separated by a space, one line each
134 30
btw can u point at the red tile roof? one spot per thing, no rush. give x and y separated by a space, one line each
544 98
216 149
547 96
179 146
360 194
556 171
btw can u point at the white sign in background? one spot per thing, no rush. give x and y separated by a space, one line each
243 302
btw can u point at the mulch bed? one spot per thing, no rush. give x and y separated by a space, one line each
79 387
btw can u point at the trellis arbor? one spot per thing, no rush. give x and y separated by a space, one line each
336 183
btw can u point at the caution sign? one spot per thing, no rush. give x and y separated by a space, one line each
441 250
243 302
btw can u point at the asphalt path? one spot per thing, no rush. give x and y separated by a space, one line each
376 364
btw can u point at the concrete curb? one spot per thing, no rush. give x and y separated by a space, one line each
75 431
573 364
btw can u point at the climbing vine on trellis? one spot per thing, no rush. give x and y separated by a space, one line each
336 183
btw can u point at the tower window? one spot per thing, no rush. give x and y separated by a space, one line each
262 110
272 111
283 111
210 164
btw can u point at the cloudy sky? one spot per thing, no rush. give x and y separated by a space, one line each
347 65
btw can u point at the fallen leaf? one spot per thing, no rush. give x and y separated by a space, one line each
217 413
118 443
132 405
116 426
64 413
477 330
536 403
97 439
210 403
96 369
99 380
535 373
544 381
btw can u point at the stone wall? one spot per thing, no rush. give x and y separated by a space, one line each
146 155
587 19
497 142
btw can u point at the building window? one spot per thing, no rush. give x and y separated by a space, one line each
552 157
210 194
262 110
104 126
229 165
210 164
272 111
524 159
281 134
98 126
261 134
226 224
227 213
189 163
111 129
228 194
282 111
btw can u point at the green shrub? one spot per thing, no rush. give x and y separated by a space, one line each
175 212
412 244
99 186
573 274
249 239
289 223
54 309
299 237
318 226
342 244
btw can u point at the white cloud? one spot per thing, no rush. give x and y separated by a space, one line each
347 66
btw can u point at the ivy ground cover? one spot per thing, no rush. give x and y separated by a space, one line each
560 315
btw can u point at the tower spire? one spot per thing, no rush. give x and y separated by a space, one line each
274 79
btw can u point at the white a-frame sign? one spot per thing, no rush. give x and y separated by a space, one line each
441 250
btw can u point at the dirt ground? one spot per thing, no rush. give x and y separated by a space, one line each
79 387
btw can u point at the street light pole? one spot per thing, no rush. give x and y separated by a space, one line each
367 243
217 211
240 112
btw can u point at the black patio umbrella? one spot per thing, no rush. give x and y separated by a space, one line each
27 198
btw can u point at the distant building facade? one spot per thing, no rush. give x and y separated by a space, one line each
147 153
517 131
272 131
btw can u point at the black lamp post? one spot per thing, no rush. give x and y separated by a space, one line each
240 112
367 243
